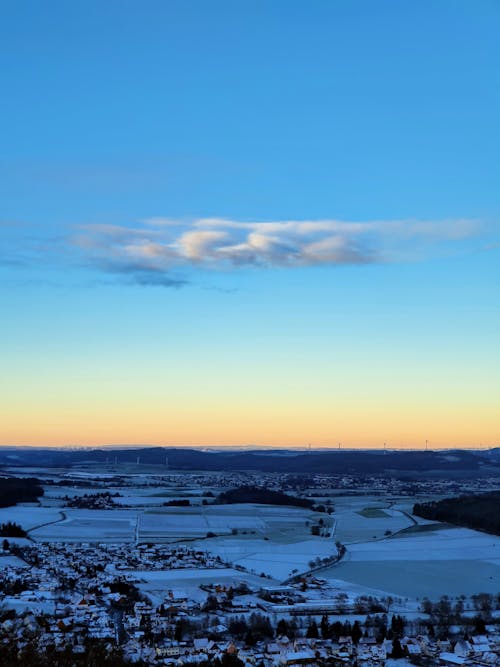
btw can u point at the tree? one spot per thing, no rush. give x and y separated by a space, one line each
250 639
282 627
341 599
211 603
260 626
356 632
11 529
312 630
325 627
397 649
479 626
238 627
483 602
180 629
397 625
230 660
427 606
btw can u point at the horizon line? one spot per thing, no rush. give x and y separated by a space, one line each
302 448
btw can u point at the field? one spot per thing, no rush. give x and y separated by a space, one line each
388 550
279 560
449 561
89 526
29 516
11 561
373 513
367 518
175 523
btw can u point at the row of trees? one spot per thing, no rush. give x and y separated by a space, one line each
480 512
11 529
484 603
257 494
15 490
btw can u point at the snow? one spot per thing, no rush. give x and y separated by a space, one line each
156 584
11 561
446 562
28 516
90 526
275 559
448 544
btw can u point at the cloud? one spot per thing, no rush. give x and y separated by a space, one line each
149 278
201 246
153 248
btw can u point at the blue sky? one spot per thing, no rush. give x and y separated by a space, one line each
289 208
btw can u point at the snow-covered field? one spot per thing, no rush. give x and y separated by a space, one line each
357 522
270 557
90 526
451 561
276 540
445 544
419 579
29 516
280 523
354 527
174 524
11 561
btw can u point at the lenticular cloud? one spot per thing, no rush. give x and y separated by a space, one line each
159 244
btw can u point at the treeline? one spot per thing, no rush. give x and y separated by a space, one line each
15 490
480 512
256 494
11 529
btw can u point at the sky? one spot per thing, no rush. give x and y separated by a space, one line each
250 223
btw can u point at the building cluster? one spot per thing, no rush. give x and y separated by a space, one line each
204 486
71 594
87 621
283 651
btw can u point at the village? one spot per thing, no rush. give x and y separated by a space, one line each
65 595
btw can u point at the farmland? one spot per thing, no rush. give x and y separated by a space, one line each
388 551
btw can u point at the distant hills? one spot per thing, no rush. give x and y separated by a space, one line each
457 462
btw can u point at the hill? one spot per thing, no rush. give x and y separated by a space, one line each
370 462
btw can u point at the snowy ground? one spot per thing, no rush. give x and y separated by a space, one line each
284 524
11 561
90 526
28 516
158 583
451 561
273 558
355 523
275 540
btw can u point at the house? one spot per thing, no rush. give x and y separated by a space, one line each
451 660
303 657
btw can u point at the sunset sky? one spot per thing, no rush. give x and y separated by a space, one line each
269 223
